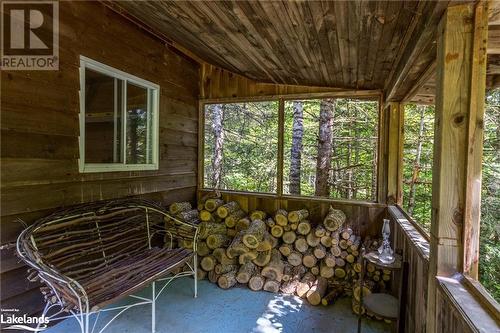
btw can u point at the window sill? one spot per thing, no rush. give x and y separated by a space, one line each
471 308
299 197
90 168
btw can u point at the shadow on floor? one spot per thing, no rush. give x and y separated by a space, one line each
238 310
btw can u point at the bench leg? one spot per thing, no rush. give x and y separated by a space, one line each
195 268
153 308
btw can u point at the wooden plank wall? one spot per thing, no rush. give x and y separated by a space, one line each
40 128
415 247
365 218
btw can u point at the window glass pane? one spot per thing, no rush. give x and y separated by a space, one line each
137 125
330 148
102 107
241 146
489 245
417 162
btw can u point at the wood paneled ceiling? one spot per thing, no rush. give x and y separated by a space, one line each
343 44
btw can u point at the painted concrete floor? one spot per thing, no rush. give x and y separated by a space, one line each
237 310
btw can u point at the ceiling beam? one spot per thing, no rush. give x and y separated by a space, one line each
422 36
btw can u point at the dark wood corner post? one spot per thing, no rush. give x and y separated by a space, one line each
458 140
391 154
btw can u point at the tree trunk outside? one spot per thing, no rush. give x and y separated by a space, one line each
296 150
324 159
416 164
218 132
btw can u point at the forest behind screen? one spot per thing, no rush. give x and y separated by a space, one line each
330 148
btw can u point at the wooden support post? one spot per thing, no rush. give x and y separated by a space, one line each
461 66
394 153
281 143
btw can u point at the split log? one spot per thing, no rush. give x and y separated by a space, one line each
326 241
245 272
258 215
277 231
309 260
256 282
332 296
281 217
301 244
326 271
202 249
222 269
178 207
312 240
227 209
329 260
271 286
227 280
268 242
206 216
286 249
346 233
208 263
319 251
270 223
221 256
213 277
209 195
296 275
340 272
247 257
335 250
242 224
298 215
305 284
334 220
274 269
232 219
237 247
200 274
231 233
289 237
212 204
209 228
263 258
189 216
303 228
319 231
218 240
317 291
295 258
254 234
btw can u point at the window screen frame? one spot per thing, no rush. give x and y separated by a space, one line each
374 95
153 100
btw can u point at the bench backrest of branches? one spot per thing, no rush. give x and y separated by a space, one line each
74 245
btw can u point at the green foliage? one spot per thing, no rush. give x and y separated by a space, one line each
423 184
250 146
355 124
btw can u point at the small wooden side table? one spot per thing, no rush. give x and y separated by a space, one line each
383 305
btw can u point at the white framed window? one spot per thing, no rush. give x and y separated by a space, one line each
118 120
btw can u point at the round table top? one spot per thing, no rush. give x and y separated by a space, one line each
383 305
373 257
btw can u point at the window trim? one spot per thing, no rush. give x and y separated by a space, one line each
368 95
153 96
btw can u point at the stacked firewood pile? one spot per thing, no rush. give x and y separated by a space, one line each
283 253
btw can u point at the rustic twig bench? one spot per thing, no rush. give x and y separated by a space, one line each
92 255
